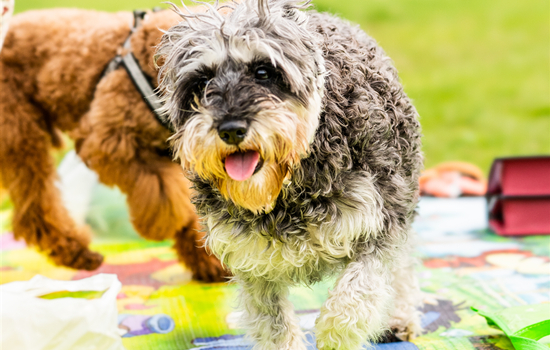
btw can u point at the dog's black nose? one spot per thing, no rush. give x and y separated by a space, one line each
233 132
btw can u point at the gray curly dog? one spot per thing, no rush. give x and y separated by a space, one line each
305 155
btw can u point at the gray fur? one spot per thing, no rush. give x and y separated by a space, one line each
363 162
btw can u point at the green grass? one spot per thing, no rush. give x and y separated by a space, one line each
477 70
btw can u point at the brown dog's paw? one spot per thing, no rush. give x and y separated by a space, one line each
75 255
204 266
87 260
210 270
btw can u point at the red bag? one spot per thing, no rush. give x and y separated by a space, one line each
518 196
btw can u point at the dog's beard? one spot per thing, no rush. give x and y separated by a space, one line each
281 136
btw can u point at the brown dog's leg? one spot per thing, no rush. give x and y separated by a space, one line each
28 172
123 143
160 208
206 266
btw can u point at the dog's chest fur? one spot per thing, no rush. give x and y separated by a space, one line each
310 250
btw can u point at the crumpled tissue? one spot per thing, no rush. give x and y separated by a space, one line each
33 323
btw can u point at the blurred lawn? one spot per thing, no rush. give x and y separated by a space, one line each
478 70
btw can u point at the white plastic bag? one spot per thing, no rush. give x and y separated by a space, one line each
32 323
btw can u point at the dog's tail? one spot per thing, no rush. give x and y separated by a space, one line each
5 15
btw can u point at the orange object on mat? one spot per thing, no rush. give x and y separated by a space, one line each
452 179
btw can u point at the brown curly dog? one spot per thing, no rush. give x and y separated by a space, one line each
50 82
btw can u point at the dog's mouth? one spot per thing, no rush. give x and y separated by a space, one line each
241 166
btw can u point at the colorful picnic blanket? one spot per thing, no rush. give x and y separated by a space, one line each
463 265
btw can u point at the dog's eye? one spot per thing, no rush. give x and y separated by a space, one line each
263 73
201 84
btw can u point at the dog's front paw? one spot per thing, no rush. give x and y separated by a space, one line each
298 345
325 342
345 326
335 333
72 253
294 344
331 339
405 324
409 331
210 269
270 338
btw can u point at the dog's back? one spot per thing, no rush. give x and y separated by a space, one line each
54 58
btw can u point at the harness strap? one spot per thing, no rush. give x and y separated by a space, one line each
131 65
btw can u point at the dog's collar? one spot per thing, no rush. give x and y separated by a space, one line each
136 74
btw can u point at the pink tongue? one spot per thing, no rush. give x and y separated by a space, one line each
240 165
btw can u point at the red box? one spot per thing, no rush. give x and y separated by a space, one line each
518 195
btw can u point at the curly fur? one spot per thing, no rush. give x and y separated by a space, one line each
50 69
344 205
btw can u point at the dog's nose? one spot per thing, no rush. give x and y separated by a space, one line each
233 132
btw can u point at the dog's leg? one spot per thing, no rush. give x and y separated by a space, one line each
269 315
358 307
28 172
159 205
189 246
121 141
405 319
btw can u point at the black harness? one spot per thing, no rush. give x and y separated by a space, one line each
138 77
